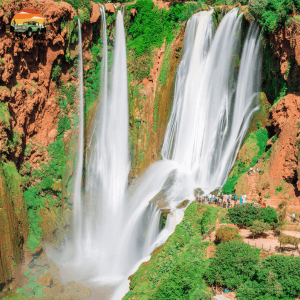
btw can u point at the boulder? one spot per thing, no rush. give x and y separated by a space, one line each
77 291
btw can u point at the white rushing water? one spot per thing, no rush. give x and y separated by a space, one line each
108 164
211 112
216 94
77 203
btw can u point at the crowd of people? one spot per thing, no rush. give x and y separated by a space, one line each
222 200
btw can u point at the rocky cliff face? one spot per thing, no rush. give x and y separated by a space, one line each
278 177
29 112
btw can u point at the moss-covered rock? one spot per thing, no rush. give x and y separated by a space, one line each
13 222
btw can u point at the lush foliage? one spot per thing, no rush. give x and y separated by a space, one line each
247 213
152 26
257 142
232 265
4 114
244 214
271 14
51 171
226 234
277 277
176 269
268 215
81 4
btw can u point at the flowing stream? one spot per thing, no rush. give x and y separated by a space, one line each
216 94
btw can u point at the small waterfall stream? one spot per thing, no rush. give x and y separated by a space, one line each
77 201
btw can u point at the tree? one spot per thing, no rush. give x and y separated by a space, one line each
281 210
226 234
268 215
259 228
277 277
244 214
233 264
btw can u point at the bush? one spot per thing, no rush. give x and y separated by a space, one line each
285 239
226 234
229 186
56 72
244 214
151 26
259 227
281 210
277 277
271 14
233 264
268 215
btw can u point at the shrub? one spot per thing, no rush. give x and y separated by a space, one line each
151 26
229 186
244 214
277 277
56 72
285 239
233 264
268 215
259 227
226 234
274 138
271 14
281 210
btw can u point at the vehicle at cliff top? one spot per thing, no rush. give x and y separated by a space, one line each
28 27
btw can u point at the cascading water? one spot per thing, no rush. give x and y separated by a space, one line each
215 98
214 101
205 129
77 205
108 166
98 219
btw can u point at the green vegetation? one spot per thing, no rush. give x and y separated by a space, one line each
276 277
285 239
232 265
247 213
271 14
42 180
259 228
4 115
152 26
226 234
33 289
56 72
244 214
176 269
84 5
268 215
281 211
256 144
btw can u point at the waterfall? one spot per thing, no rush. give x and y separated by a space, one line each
77 205
212 110
108 160
216 94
